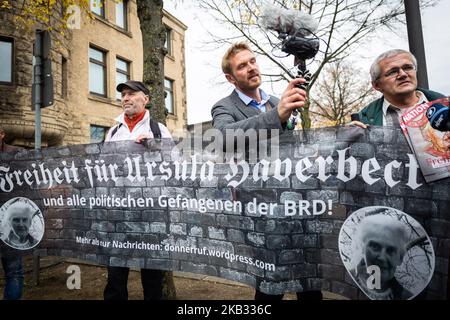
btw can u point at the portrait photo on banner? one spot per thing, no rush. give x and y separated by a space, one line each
387 253
21 223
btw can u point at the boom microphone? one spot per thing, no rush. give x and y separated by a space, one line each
355 117
439 117
291 22
296 30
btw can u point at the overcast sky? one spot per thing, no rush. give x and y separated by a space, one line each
205 81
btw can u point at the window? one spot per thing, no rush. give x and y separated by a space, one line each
168 42
121 14
168 87
122 73
64 77
98 7
98 134
6 58
97 71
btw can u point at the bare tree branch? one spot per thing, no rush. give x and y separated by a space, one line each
344 25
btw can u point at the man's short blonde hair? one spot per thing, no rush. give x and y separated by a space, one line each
231 52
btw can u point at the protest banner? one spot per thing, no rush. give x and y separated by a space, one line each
283 224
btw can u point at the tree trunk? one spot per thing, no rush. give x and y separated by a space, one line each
153 37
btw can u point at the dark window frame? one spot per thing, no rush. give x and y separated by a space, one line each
64 77
171 92
105 70
128 73
102 8
13 54
125 15
97 126
169 36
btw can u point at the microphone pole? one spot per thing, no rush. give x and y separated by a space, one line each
302 72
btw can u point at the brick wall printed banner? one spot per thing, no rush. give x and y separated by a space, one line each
341 209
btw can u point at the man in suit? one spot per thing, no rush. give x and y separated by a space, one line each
249 107
134 124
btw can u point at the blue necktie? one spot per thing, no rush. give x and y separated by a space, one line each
254 104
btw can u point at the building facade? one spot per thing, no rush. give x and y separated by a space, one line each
88 63
16 115
175 75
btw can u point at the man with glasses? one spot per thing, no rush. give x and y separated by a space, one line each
394 74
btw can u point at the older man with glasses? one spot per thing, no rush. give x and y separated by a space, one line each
394 74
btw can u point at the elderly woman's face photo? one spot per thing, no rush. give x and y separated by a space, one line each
382 250
20 222
387 253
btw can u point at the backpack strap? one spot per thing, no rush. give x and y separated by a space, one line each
115 130
154 127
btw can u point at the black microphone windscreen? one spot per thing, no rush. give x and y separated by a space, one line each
354 116
439 117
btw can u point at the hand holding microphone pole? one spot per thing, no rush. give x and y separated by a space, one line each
293 98
306 75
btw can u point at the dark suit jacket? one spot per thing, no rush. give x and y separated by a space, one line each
373 113
232 113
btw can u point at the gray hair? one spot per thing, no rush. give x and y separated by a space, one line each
373 224
21 208
375 70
